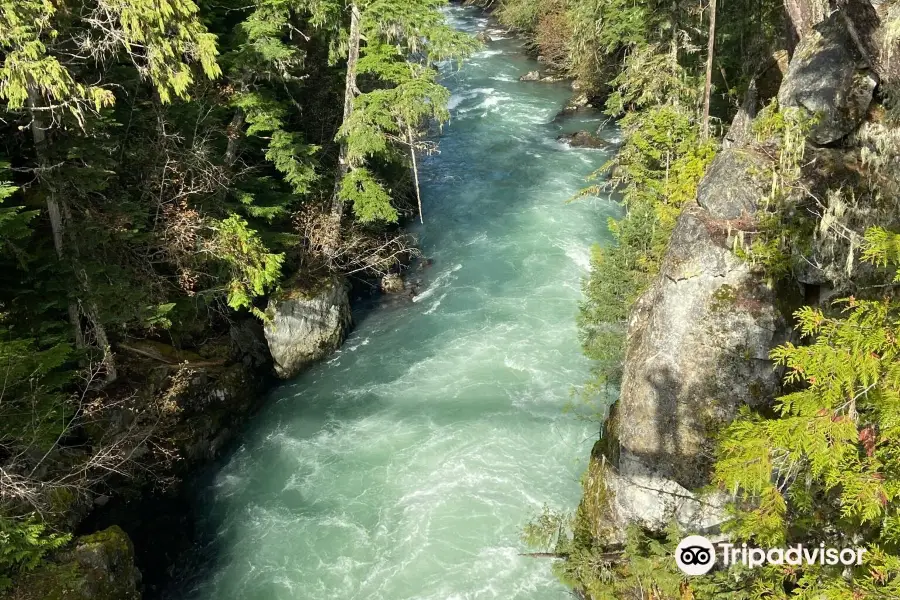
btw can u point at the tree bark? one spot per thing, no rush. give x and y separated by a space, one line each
56 210
39 136
89 308
234 136
415 170
710 55
350 90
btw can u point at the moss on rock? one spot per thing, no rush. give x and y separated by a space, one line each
99 566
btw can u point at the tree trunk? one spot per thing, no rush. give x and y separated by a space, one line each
804 14
39 136
415 170
710 55
56 210
350 90
90 310
234 136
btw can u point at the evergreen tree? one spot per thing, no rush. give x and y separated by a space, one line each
169 164
396 66
824 468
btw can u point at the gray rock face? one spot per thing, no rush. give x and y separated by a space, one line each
729 191
305 326
697 350
249 343
828 77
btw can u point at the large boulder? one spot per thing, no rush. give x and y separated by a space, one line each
697 350
828 77
99 566
306 323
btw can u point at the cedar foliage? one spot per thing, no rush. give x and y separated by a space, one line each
824 466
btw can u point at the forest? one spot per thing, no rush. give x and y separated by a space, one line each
165 166
168 165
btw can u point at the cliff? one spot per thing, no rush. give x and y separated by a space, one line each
699 338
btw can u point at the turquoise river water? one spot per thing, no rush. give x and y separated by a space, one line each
405 465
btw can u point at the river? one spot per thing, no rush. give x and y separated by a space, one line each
405 465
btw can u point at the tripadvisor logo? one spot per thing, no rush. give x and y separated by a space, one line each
696 555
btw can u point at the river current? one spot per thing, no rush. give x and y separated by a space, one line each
405 466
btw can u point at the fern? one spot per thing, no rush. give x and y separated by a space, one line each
23 543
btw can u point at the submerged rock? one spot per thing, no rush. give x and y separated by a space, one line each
827 77
307 323
583 139
542 78
99 566
484 38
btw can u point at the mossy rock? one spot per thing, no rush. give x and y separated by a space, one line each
303 327
593 519
723 299
608 445
305 286
99 566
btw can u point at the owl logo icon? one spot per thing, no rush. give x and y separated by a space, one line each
695 555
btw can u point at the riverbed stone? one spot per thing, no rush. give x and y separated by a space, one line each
307 322
392 283
583 139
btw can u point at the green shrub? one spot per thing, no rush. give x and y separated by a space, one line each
23 543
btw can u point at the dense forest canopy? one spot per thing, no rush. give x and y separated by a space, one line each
166 165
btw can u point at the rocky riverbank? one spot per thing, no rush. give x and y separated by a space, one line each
140 519
699 339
